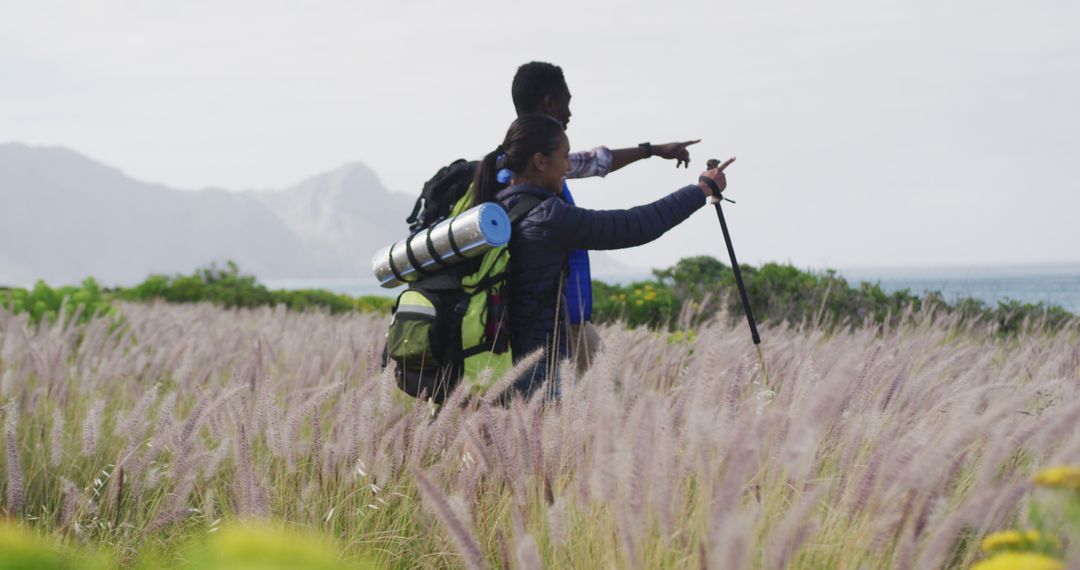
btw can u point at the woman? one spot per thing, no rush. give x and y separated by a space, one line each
533 158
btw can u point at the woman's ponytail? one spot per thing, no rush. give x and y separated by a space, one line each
485 182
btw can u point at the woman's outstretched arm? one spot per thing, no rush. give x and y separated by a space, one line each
578 228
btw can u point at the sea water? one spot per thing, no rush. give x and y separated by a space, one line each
1050 284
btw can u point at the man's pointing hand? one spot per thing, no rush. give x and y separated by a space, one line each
676 151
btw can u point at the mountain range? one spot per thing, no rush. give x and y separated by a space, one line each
64 217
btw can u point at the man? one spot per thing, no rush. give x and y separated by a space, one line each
540 87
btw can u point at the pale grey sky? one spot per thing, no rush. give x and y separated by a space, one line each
868 133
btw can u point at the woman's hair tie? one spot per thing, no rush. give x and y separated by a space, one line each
504 174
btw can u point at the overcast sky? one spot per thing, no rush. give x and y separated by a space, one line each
868 133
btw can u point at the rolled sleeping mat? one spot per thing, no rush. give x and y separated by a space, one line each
467 235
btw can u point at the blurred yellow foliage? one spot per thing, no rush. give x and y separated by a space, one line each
1064 476
1020 561
21 549
262 546
1009 539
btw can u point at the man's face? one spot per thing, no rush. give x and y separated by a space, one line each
559 107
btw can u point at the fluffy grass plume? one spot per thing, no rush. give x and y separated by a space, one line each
869 448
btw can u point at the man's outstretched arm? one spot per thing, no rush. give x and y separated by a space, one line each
676 151
602 160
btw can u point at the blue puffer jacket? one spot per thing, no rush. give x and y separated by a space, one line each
542 239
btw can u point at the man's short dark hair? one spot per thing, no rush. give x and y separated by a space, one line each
534 81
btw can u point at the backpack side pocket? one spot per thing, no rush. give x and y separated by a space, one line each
409 342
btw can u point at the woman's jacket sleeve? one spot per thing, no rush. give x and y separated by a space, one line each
578 228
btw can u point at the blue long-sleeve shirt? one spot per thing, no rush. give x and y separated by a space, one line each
583 164
578 278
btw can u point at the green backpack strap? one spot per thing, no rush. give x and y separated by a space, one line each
479 351
463 203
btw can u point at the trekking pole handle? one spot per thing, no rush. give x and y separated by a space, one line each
717 197
717 194
726 164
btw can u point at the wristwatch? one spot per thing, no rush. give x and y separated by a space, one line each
646 148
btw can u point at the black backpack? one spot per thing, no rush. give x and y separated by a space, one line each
441 193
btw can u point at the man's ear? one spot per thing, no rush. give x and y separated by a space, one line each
547 105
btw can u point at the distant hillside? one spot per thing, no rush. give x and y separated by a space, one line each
64 216
342 217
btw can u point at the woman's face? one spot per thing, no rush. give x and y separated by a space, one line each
552 168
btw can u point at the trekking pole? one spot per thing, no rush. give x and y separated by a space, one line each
731 253
713 163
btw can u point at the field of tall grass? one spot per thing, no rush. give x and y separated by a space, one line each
188 429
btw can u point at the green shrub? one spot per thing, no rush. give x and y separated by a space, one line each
645 303
374 303
45 303
227 287
222 286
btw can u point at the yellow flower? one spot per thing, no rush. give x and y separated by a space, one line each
650 296
1064 476
622 296
1020 561
638 302
1009 539
648 288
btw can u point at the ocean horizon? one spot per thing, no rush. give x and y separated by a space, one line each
1048 284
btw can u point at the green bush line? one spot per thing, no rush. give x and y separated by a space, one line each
225 286
42 301
677 297
695 287
229 288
